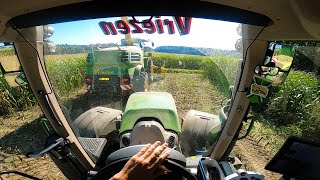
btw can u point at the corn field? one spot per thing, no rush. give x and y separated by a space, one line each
7 52
65 79
292 107
67 73
220 70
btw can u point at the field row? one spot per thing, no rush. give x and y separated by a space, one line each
67 73
293 106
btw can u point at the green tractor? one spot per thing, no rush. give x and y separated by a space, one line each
156 112
119 70
149 117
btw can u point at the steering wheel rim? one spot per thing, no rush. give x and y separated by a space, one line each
111 169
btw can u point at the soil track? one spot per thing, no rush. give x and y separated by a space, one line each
254 158
22 133
190 91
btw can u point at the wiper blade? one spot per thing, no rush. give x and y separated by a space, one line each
18 173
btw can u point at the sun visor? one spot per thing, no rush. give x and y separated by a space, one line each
101 9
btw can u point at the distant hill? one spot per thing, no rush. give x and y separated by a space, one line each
212 51
197 51
178 50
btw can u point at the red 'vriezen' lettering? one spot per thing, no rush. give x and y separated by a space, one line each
159 26
123 27
137 28
147 26
170 26
184 28
150 27
106 27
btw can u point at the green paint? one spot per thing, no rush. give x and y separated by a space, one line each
89 64
47 126
107 57
215 132
109 62
255 98
159 105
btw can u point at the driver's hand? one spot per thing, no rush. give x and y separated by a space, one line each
146 164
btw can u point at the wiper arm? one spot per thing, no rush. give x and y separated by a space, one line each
18 173
57 142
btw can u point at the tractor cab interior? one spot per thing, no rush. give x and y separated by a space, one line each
111 80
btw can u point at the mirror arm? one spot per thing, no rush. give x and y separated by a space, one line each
2 69
249 128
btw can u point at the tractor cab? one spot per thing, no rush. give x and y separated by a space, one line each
103 101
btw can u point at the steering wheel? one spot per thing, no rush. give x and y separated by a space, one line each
119 158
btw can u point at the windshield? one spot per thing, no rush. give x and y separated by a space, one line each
117 77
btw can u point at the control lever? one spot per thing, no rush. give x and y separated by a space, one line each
59 141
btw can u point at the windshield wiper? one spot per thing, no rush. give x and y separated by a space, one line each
18 173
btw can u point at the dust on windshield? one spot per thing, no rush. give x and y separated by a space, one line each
113 76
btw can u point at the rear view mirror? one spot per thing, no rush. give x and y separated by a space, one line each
265 70
277 64
275 75
49 46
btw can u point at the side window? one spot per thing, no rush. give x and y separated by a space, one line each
291 108
10 66
8 58
14 94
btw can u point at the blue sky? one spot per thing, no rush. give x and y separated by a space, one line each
203 33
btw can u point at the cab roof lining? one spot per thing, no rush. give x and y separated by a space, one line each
103 9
